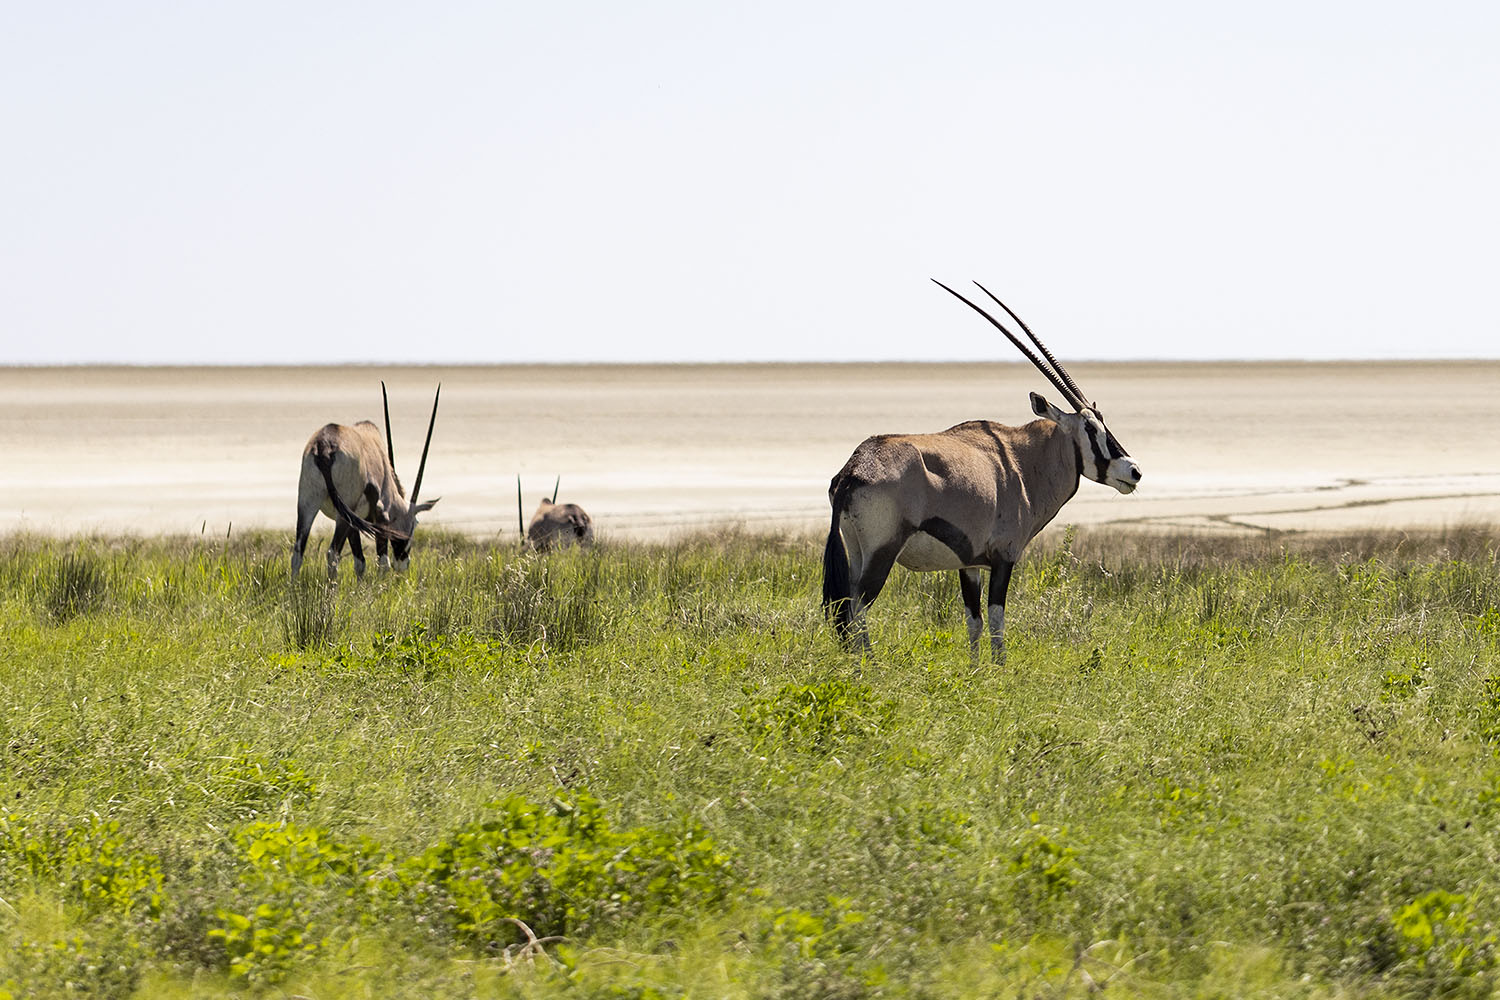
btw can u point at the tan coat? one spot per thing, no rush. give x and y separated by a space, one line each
558 525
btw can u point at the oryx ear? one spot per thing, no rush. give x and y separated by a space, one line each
425 506
1042 408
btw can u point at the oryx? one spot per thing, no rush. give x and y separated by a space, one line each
558 525
348 475
554 525
968 498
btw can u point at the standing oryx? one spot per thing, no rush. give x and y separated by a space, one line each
348 476
968 498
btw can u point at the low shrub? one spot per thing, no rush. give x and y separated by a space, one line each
561 870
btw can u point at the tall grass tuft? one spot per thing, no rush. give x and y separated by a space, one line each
547 600
311 617
78 583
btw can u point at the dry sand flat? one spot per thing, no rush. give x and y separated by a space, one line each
653 449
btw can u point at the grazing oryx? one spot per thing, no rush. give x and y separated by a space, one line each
348 476
554 525
968 498
558 525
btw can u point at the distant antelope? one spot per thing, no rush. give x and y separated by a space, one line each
968 498
554 525
348 476
558 525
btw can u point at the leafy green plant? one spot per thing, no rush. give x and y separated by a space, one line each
814 718
1045 866
809 934
1487 624
90 863
561 870
817 950
417 654
287 865
1439 931
254 783
1404 681
264 944
108 963
1487 710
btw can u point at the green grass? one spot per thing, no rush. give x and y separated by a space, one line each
1210 768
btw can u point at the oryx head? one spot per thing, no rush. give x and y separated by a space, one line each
403 523
1100 456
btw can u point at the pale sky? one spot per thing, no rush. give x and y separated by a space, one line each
284 182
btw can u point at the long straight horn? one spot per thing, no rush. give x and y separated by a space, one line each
520 517
1062 387
416 488
1056 365
554 488
390 446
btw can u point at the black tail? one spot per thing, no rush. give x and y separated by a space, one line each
838 601
325 466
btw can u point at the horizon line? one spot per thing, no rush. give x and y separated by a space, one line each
745 362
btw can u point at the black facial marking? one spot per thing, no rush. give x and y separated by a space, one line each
1101 461
1113 446
949 536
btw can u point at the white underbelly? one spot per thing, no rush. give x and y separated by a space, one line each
924 553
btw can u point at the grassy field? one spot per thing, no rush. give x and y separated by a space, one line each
1210 768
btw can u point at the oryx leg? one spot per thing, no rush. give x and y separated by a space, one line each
857 636
868 580
376 514
358 552
969 582
999 584
305 515
336 548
